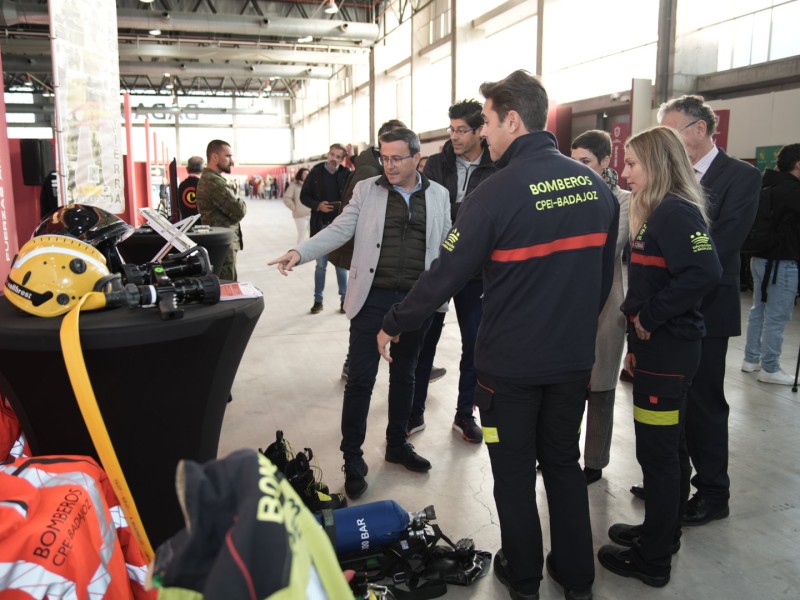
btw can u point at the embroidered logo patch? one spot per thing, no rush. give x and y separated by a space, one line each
452 238
700 242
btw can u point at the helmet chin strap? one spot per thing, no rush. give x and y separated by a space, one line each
87 402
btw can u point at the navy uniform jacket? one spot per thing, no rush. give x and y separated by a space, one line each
544 232
733 187
673 263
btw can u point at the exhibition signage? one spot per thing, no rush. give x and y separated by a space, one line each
86 86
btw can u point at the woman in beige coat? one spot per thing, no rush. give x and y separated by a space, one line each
593 148
300 212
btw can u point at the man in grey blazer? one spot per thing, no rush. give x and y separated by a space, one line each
398 221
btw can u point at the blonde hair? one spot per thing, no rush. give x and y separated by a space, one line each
663 157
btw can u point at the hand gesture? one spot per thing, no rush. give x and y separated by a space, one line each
286 262
383 344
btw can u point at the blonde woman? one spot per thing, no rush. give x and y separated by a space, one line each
300 212
673 263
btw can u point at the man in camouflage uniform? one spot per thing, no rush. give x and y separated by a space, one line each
218 205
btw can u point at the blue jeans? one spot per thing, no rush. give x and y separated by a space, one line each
319 279
364 362
767 321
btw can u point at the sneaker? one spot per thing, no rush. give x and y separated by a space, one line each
341 306
569 594
779 377
405 455
317 308
354 473
501 572
436 374
620 561
749 367
468 428
628 536
415 423
346 368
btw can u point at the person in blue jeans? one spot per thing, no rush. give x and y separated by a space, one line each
775 279
322 192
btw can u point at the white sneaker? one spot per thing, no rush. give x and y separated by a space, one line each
749 367
779 377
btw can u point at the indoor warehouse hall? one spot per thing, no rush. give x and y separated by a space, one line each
290 380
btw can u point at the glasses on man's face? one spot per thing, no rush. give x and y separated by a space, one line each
392 160
460 130
690 124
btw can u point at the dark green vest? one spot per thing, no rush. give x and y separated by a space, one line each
402 257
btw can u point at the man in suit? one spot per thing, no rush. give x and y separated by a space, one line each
733 188
400 220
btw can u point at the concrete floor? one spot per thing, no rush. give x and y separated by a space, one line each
289 379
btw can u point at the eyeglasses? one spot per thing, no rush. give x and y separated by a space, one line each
392 160
461 131
690 124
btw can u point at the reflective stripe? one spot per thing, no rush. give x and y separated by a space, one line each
656 417
648 261
490 435
578 242
101 578
35 581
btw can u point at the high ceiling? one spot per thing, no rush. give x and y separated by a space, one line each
242 47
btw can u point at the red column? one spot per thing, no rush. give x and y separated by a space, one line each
8 223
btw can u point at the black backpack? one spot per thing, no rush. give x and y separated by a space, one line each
764 234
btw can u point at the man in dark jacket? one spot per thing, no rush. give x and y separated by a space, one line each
463 163
544 232
322 192
187 191
775 274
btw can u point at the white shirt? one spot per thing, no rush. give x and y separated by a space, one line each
701 166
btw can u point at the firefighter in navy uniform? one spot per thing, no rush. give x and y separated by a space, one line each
544 232
673 264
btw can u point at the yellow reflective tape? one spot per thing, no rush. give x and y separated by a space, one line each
656 417
87 403
490 435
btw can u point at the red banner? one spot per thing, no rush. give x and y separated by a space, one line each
619 135
723 123
8 223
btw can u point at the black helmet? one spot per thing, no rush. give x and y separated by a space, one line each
89 224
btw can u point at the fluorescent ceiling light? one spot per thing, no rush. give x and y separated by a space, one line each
305 39
154 32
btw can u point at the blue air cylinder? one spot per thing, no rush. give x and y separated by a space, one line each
365 527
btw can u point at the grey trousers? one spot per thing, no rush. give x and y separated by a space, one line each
599 426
